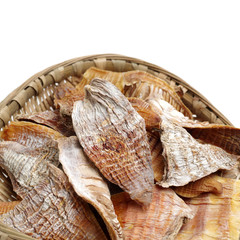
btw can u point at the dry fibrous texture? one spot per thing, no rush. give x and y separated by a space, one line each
25 166
30 134
66 86
10 233
157 157
74 80
145 110
216 216
161 220
138 84
65 95
7 206
206 184
113 135
52 210
162 107
233 173
186 159
63 89
34 136
88 183
111 127
179 89
226 137
53 119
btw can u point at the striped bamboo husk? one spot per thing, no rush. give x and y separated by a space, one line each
36 95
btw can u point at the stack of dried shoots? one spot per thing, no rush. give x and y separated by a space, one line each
126 132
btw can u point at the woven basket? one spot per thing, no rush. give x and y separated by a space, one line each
36 94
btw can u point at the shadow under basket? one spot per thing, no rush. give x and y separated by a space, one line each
36 95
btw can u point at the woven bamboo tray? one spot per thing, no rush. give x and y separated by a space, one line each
36 94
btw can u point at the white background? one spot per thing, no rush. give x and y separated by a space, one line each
197 40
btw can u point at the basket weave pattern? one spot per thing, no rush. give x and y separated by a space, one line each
36 95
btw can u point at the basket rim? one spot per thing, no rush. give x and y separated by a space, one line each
27 84
108 56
